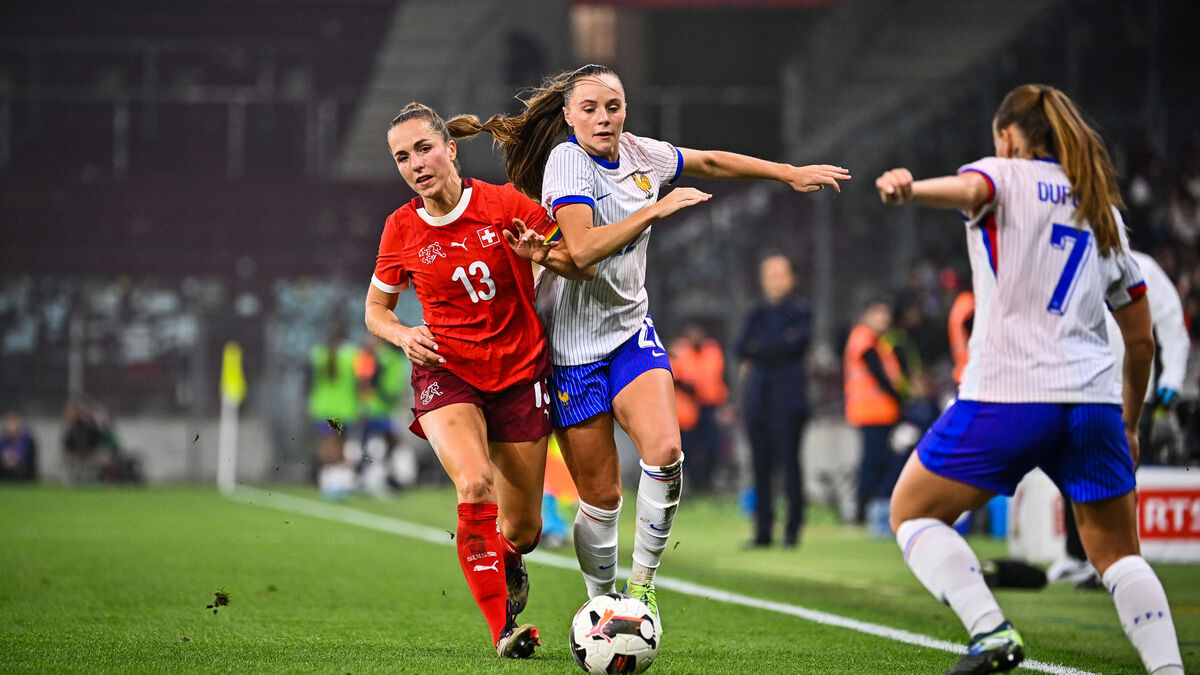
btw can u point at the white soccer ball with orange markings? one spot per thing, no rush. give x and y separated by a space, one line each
614 633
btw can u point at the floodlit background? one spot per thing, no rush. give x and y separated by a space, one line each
178 175
182 180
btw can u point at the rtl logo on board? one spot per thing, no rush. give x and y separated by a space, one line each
1169 513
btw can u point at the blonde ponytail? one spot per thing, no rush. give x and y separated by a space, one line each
1050 120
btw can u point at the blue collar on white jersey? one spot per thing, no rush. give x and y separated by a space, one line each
1047 159
599 160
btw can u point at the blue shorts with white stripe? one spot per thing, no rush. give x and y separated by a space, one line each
587 390
1082 447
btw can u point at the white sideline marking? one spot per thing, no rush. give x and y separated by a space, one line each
352 516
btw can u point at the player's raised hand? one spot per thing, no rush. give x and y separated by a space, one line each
680 198
528 243
418 343
895 186
816 176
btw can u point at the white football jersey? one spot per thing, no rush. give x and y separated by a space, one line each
1040 291
587 320
1166 316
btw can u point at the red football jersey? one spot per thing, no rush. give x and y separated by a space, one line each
476 293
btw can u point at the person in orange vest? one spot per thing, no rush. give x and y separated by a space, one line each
698 363
873 403
962 315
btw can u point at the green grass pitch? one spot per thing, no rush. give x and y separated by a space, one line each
120 580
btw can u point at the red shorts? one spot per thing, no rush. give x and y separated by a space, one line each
514 415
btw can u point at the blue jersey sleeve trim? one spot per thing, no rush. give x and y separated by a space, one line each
678 166
572 199
991 183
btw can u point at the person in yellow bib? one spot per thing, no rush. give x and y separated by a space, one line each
333 409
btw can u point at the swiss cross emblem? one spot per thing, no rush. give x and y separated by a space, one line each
488 236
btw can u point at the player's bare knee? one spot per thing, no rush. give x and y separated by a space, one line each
523 534
475 489
663 454
1103 557
607 498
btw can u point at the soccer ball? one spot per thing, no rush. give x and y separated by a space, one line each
614 633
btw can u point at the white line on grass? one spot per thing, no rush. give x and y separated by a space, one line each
345 514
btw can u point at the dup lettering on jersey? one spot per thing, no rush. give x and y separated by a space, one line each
1056 194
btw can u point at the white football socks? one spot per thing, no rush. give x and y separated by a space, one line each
657 500
596 547
942 561
1142 607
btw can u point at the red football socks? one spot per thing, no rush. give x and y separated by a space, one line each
511 555
482 555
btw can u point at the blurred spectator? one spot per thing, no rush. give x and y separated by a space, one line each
902 336
90 448
18 450
773 347
919 308
84 450
333 408
698 363
382 372
920 412
873 403
1183 214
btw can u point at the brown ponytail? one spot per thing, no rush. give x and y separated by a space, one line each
525 140
1050 121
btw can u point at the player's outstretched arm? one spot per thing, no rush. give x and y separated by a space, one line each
589 245
416 341
966 192
730 165
533 247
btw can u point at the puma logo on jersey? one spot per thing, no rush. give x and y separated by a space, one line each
492 567
431 253
463 245
430 391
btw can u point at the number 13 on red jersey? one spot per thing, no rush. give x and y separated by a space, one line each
467 276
